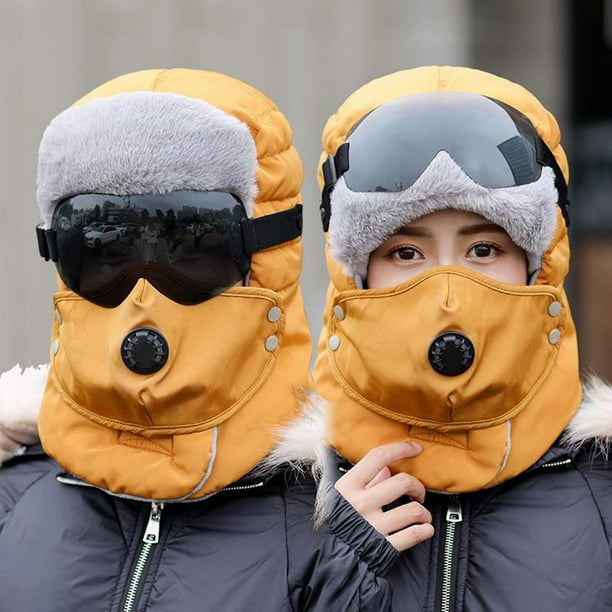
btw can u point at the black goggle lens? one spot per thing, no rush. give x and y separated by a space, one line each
188 244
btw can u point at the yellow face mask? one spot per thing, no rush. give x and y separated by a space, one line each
441 359
174 412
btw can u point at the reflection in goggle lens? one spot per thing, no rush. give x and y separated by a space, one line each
188 244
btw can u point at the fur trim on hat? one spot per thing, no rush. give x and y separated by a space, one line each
21 393
144 143
362 221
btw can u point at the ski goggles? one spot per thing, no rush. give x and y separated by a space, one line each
390 148
190 245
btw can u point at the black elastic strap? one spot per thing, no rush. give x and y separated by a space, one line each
333 168
341 159
329 180
265 232
545 157
47 243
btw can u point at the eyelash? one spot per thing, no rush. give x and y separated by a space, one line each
394 252
491 245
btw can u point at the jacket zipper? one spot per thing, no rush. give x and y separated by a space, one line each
149 539
448 578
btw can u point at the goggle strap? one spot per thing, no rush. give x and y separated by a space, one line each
333 168
329 178
47 243
545 157
271 230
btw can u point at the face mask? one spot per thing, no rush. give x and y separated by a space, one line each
455 360
198 366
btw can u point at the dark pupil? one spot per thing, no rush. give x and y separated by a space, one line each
406 253
482 250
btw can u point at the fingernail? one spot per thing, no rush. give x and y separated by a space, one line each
416 446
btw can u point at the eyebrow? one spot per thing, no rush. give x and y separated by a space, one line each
468 230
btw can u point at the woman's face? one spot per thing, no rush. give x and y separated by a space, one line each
444 238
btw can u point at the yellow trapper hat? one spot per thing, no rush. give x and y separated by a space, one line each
150 395
496 408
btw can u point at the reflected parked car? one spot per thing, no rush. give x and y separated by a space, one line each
102 236
94 226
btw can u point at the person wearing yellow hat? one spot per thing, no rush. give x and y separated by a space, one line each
174 409
459 427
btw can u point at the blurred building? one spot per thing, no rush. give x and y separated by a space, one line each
307 55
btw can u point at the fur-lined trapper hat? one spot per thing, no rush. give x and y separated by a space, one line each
403 146
222 376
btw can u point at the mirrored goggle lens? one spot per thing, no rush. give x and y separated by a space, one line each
188 244
391 147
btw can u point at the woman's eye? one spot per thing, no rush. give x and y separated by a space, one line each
483 250
405 253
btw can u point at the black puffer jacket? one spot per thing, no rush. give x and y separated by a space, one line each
66 547
540 542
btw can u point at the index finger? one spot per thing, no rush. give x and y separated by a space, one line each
378 458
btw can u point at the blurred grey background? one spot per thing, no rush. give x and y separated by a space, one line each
307 55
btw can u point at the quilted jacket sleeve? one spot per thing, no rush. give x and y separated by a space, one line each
18 474
339 567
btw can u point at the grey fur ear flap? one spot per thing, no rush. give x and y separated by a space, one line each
362 221
145 143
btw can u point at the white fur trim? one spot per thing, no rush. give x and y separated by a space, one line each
144 143
21 394
301 443
362 221
593 420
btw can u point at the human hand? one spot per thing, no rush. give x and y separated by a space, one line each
369 486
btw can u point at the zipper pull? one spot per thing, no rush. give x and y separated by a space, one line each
453 512
151 534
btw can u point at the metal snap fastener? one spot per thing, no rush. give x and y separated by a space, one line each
333 343
55 345
554 336
339 312
554 309
271 343
274 314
